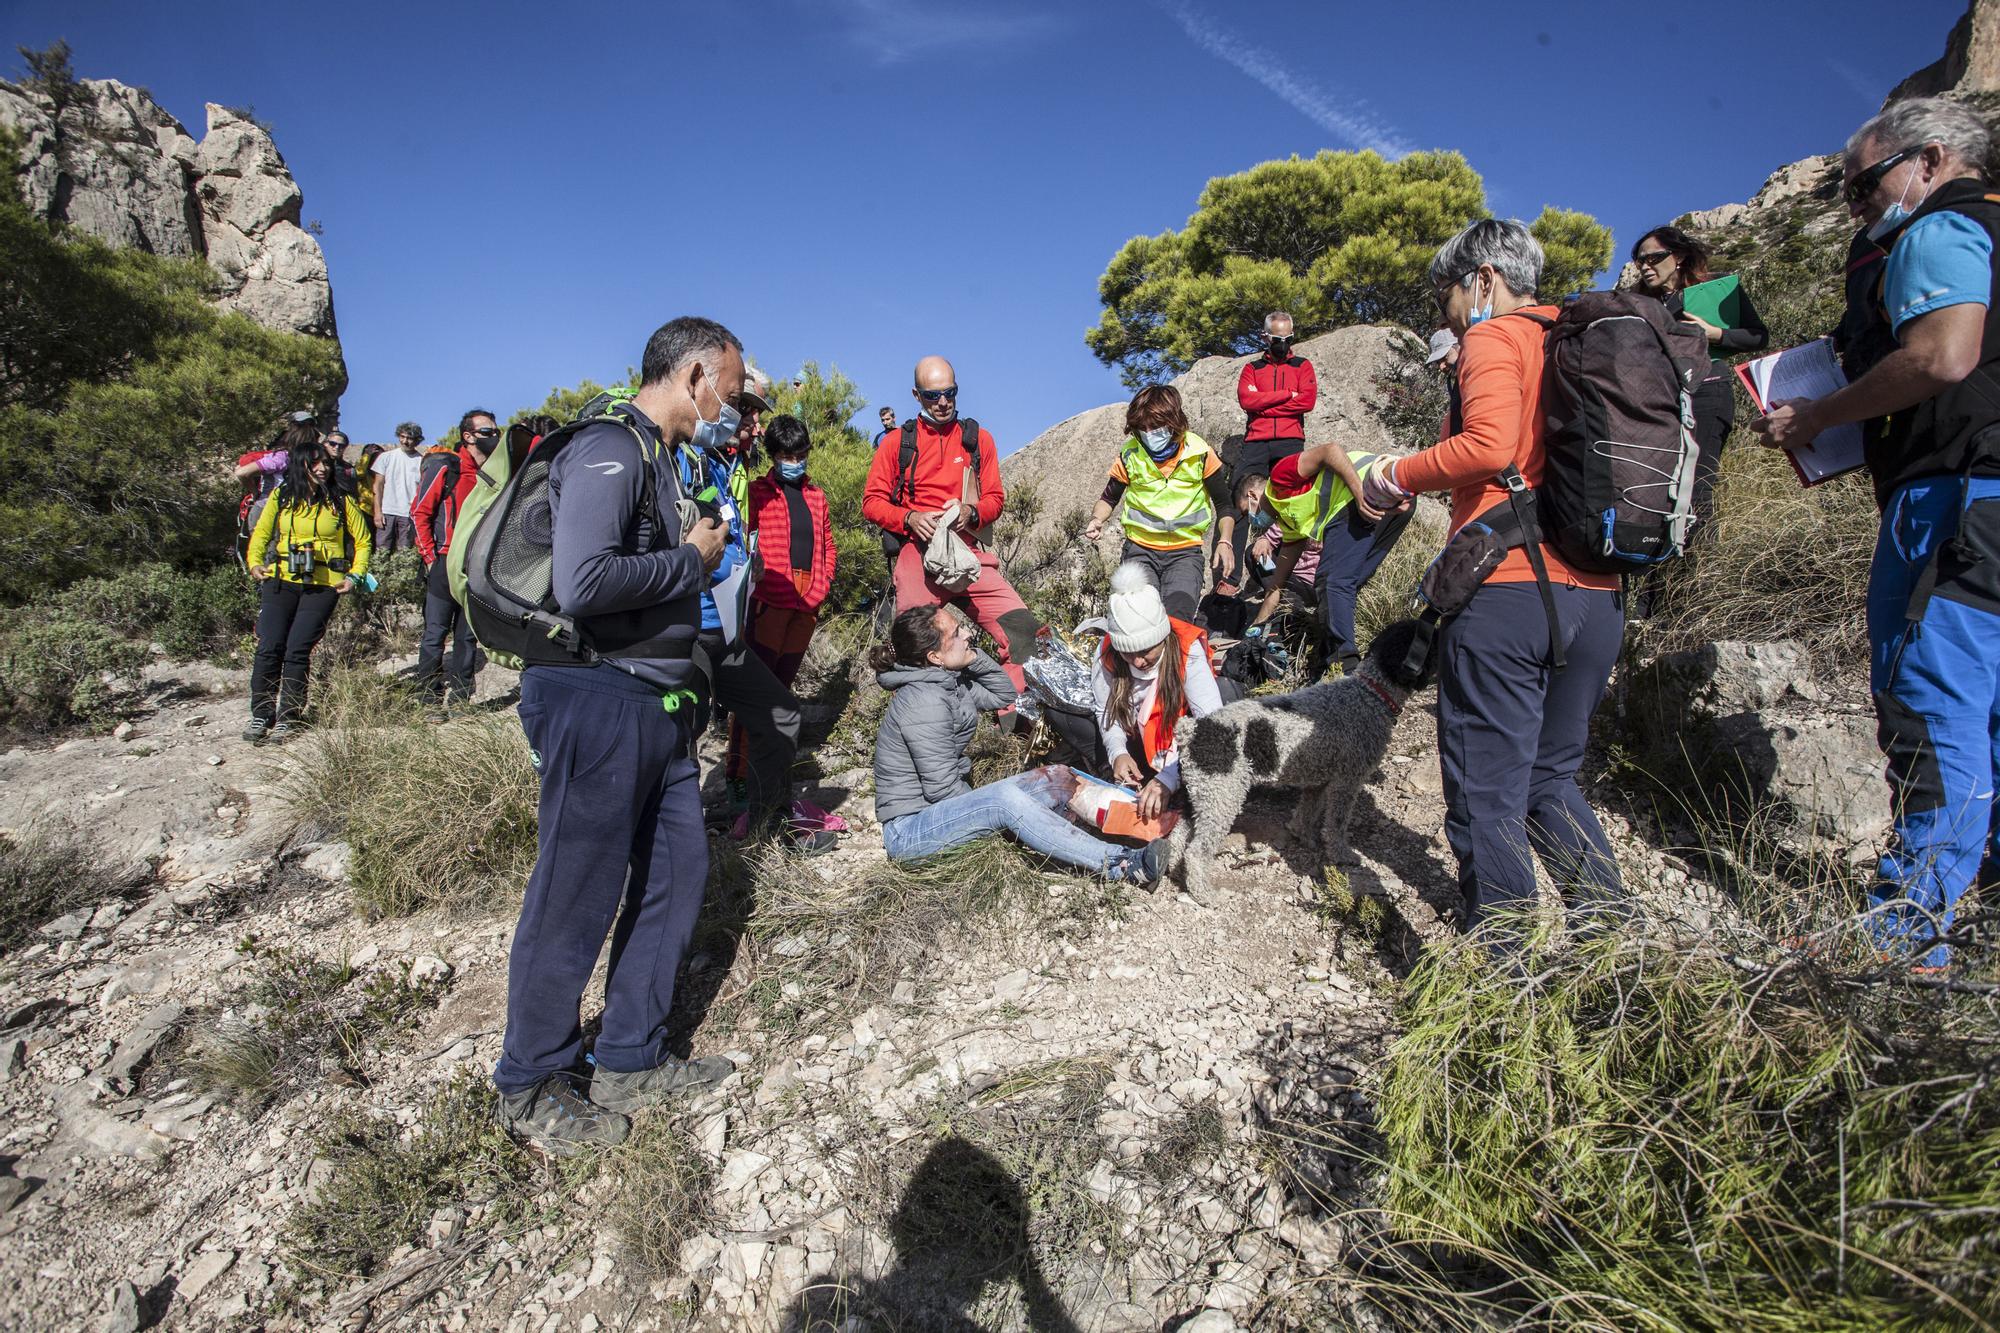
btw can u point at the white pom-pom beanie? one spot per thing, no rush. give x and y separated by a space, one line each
1136 617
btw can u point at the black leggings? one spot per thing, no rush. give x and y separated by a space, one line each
1714 413
291 620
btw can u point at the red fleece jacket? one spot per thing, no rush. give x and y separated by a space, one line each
1277 395
938 478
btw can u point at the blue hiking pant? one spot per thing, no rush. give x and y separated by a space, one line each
1936 686
1027 805
622 853
1351 550
1511 736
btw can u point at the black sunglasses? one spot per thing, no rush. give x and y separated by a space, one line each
486 432
1864 182
1652 258
1444 289
933 395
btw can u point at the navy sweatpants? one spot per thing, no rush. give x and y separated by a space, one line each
1350 552
1511 736
622 852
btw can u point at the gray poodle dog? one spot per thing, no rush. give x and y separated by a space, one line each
1323 741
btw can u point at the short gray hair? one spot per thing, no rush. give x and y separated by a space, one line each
1507 245
679 341
1285 315
1928 120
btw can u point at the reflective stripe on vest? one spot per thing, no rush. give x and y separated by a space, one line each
1304 517
1170 504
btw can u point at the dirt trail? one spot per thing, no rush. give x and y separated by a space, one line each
1234 1018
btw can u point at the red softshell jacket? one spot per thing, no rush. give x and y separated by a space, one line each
424 513
1276 395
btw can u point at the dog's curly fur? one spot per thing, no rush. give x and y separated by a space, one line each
1323 740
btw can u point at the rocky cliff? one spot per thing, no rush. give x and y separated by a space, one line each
115 164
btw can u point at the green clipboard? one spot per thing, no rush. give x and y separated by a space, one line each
1719 302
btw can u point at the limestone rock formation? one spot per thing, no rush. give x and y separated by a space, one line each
1971 59
1066 463
1745 726
118 166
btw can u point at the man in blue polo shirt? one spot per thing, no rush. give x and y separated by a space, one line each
1923 358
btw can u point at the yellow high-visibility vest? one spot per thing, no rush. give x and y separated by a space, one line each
1169 509
1304 517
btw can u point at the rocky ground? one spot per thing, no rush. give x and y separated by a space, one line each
1193 1048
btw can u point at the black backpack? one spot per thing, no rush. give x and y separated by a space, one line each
446 462
1617 486
509 552
906 469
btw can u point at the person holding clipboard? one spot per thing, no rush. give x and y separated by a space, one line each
1923 363
1673 266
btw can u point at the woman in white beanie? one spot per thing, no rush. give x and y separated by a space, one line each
1153 670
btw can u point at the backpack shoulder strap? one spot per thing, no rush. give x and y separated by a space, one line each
906 463
968 439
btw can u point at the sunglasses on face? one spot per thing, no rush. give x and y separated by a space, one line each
486 432
937 395
1652 258
1864 182
1444 290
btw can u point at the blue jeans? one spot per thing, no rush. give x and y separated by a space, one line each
1937 704
1028 805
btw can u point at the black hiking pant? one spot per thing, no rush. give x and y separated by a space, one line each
439 676
291 620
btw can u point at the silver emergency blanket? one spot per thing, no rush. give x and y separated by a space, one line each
1058 678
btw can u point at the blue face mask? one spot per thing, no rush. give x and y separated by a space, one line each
717 435
1159 443
1478 315
791 469
1262 519
1896 214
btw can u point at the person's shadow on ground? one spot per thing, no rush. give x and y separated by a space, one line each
961 1226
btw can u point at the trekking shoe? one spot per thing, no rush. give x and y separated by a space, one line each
808 840
557 1118
285 731
1149 867
256 731
807 815
618 1091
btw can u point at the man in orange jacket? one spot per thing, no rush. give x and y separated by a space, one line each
909 506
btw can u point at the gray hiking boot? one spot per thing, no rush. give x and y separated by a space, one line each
285 731
1149 866
554 1116
256 731
649 1087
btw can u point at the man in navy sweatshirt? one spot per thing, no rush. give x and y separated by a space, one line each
621 847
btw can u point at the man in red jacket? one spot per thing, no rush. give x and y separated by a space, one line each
909 507
435 514
1276 390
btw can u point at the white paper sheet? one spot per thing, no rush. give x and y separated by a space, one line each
1810 371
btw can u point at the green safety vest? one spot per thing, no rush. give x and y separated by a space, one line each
1304 517
1170 506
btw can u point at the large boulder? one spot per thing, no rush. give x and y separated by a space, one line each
1971 59
1743 727
1067 462
117 166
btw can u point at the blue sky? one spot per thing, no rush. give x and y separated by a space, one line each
514 195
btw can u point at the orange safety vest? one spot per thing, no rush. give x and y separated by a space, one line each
1158 733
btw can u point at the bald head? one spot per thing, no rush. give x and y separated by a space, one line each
936 389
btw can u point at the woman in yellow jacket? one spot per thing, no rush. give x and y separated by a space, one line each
311 545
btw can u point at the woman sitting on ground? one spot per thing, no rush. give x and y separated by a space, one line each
939 683
1174 488
1153 670
311 544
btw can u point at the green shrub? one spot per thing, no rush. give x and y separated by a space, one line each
385 1186
53 672
46 870
124 397
1709 1133
298 1017
438 816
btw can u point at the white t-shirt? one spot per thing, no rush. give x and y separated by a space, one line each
398 471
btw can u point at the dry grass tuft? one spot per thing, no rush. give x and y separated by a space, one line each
660 1194
46 871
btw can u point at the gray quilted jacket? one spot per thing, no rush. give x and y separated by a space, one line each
920 750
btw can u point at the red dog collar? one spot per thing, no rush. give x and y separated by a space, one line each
1387 699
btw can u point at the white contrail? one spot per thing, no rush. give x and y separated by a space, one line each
1354 123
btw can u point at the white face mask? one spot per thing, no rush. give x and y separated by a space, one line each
1159 443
